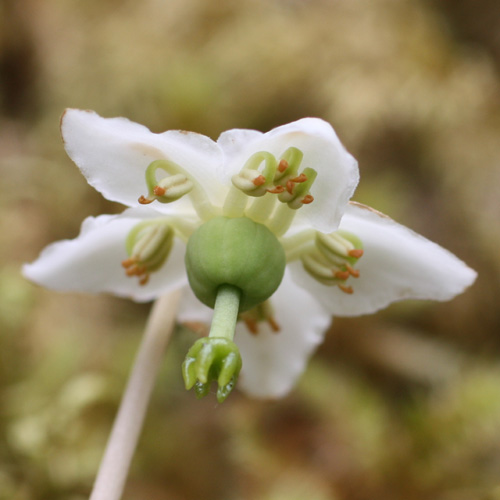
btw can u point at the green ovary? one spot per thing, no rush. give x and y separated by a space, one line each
237 252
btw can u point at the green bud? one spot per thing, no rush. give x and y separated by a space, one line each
238 252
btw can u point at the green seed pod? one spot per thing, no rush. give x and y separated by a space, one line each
238 252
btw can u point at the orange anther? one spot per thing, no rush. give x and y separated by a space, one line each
300 178
252 326
341 275
276 190
282 166
274 326
308 198
159 191
289 186
144 280
135 270
128 262
346 289
258 181
131 271
353 272
356 253
145 201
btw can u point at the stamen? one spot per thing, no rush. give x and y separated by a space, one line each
274 326
128 262
159 191
297 189
282 166
276 178
251 325
288 165
176 184
281 220
341 275
262 312
356 253
297 245
353 272
300 178
145 201
331 259
148 245
250 180
260 208
258 181
346 289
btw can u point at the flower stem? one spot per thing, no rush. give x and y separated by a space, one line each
115 463
226 309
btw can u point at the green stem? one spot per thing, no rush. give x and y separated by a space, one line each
226 309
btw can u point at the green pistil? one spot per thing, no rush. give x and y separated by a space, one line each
217 357
226 308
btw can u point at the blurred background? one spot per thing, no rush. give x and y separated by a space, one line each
404 404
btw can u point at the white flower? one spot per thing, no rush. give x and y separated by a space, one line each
244 173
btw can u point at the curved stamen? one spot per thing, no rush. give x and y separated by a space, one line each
148 245
276 178
174 186
328 258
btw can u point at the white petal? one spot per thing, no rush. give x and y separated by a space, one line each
191 309
337 170
273 361
92 262
397 264
113 154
